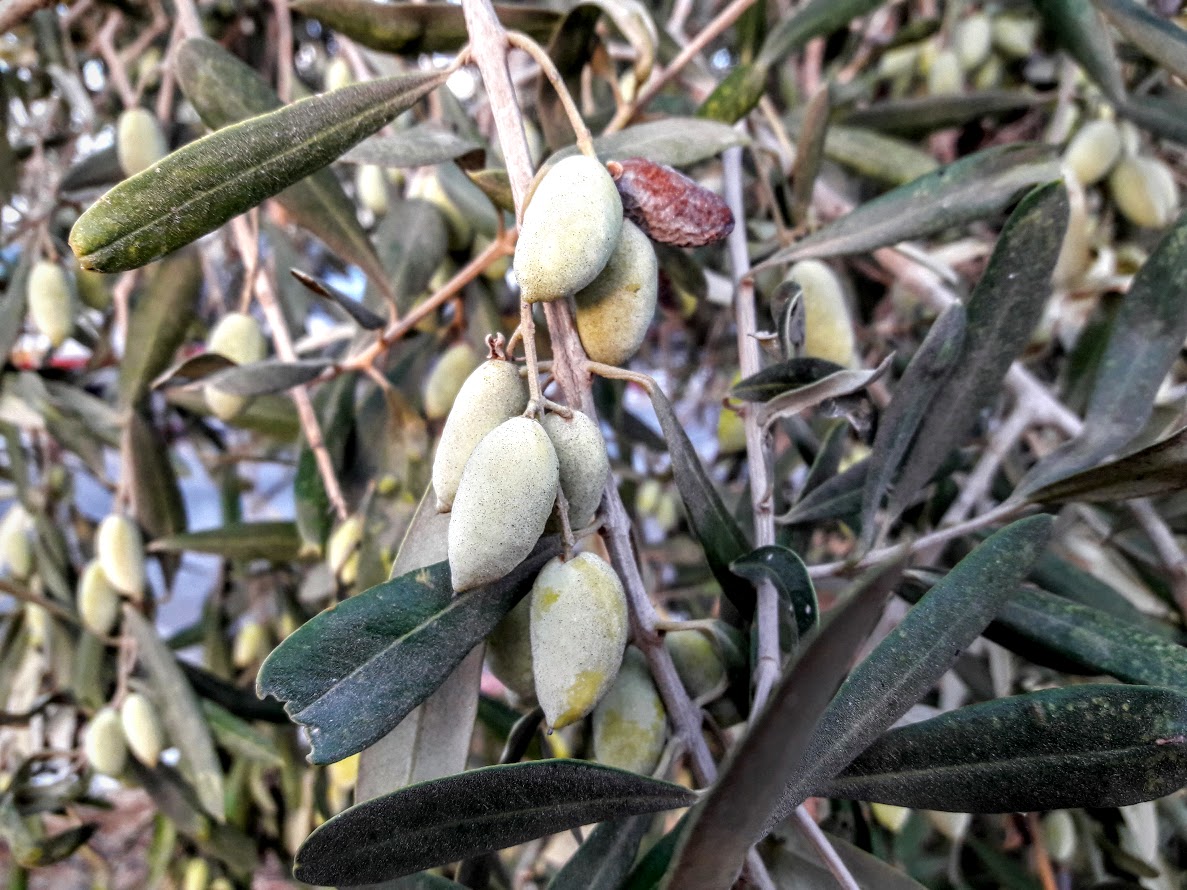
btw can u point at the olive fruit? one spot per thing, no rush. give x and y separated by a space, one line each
120 549
196 875
616 308
139 140
584 464
1015 36
1059 836
237 337
492 394
16 550
446 379
1093 151
828 327
104 745
953 826
370 182
698 665
944 77
142 727
338 74
250 645
889 816
342 549
973 40
98 601
344 774
460 228
569 230
503 502
51 306
579 631
1144 190
629 723
509 651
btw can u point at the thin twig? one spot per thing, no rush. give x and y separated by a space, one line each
548 68
284 50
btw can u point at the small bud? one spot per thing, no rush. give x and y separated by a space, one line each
584 464
39 624
428 187
104 744
97 600
1015 36
120 549
196 875
1093 151
569 231
371 185
953 826
506 494
579 631
1059 836
251 645
342 549
615 310
1145 191
142 728
344 774
51 305
447 378
629 723
16 548
139 140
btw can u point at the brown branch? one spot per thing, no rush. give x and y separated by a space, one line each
13 12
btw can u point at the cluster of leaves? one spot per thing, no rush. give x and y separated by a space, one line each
1037 669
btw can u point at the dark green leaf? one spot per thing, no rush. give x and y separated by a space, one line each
1144 342
1083 746
649 871
335 403
1162 117
239 737
737 810
362 316
355 671
1005 306
192 369
917 116
225 91
268 376
414 28
13 303
475 812
1063 578
870 153
714 526
273 541
809 153
922 648
603 861
571 49
795 863
778 379
814 19
419 146
837 498
99 168
835 386
199 187
156 494
1079 29
272 416
784 569
972 188
737 94
181 713
413 241
237 701
675 141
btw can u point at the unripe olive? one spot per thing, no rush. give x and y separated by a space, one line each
569 231
953 826
731 432
1093 151
972 40
1015 36
16 550
104 744
221 883
1145 191
697 662
990 75
197 875
579 631
238 337
615 310
92 289
371 183
250 645
899 61
98 601
509 651
828 327
338 74
507 492
667 512
497 270
142 728
446 379
428 187
1075 253
629 723
342 549
1059 836
889 816
120 549
344 774
492 394
39 624
139 140
584 464
51 306
944 77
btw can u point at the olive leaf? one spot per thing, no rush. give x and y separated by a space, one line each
475 812
835 386
1082 746
783 377
604 860
197 188
420 146
1078 27
268 376
273 541
919 115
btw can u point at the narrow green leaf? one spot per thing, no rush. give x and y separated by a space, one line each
225 91
738 808
335 404
1161 39
648 873
675 141
1144 342
1005 306
809 153
413 241
13 303
239 737
922 648
714 525
99 168
421 146
197 188
239 702
1078 27
919 115
268 376
603 861
914 396
1082 746
414 28
191 370
1068 581
795 863
364 317
836 498
475 812
737 94
815 19
878 156
272 416
354 672
972 188
1162 117
783 377
273 541
181 713
835 386
571 49
156 494
787 572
